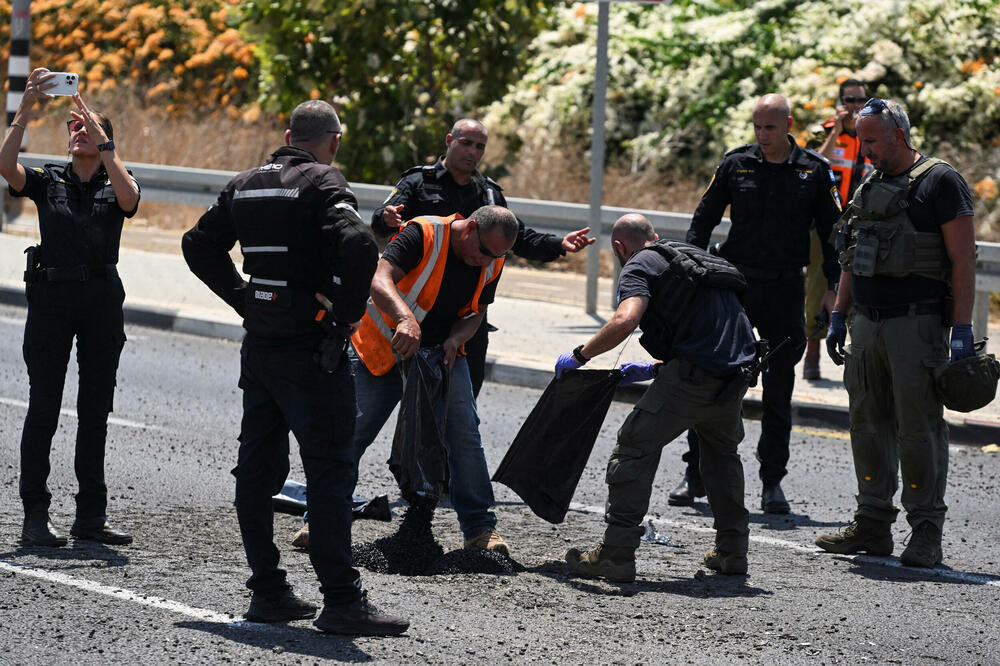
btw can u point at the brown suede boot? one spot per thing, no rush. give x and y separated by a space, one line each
613 563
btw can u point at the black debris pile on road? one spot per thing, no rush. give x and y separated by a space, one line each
475 560
413 551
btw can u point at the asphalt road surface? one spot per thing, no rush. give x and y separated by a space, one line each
176 595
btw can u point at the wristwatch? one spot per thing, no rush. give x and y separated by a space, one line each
578 355
106 146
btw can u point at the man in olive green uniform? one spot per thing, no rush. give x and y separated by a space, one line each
686 301
908 254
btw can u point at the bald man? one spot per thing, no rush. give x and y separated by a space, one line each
452 185
686 302
776 193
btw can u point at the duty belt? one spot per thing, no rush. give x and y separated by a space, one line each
903 310
80 273
752 273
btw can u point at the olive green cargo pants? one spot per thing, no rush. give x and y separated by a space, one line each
897 421
682 396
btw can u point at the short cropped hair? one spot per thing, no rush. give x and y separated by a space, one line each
891 117
312 121
488 217
850 83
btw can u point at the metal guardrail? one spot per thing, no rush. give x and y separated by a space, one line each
199 187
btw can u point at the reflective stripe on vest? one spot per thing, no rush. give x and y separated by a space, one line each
844 163
418 289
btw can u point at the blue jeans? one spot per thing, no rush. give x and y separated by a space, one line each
469 487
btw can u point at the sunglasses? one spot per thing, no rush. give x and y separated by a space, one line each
485 251
875 107
74 125
853 100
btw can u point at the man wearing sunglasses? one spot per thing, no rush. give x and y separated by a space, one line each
454 185
73 291
840 145
777 192
908 253
431 289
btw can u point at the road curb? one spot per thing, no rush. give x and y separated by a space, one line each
514 373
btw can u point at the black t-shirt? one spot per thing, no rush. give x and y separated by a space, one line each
79 223
716 335
939 197
458 284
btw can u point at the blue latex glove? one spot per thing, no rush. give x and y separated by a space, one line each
961 342
837 336
636 372
565 363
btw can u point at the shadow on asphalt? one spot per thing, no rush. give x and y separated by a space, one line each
85 552
700 586
789 521
282 638
889 569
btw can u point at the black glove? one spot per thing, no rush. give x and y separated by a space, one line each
837 336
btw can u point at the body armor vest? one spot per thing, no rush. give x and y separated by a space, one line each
875 235
689 270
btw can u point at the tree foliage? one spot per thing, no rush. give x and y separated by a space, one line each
684 77
400 71
182 57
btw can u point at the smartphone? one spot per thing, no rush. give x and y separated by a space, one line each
66 84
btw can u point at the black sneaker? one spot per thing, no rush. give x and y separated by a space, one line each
924 548
280 607
359 618
861 535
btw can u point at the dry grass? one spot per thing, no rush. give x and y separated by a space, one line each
151 136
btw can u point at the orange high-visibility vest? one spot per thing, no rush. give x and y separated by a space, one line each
845 163
419 289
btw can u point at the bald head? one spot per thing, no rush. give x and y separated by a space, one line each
631 232
468 125
772 118
773 102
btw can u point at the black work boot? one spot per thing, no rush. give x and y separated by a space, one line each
614 564
38 530
772 499
100 530
726 562
280 607
924 548
359 618
687 490
863 534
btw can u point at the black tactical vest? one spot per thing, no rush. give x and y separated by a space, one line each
690 270
876 237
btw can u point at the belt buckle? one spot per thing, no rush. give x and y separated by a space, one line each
873 314
84 272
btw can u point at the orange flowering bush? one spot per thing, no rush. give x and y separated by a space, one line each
183 57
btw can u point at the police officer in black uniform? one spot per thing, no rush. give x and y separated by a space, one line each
776 191
73 290
311 260
453 185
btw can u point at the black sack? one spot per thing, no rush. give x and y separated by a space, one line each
418 459
546 459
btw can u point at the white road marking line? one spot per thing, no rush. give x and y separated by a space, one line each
112 420
127 595
978 579
15 321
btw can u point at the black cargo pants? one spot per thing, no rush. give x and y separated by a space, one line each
284 389
58 312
